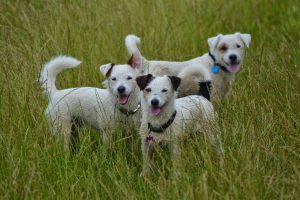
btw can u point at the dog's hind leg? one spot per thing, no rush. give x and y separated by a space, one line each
147 151
74 138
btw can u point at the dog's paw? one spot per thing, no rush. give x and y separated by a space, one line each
145 174
176 174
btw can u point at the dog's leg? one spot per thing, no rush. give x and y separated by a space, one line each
74 138
107 139
175 149
66 129
147 151
211 134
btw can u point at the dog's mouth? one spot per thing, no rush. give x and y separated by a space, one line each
233 67
123 99
155 110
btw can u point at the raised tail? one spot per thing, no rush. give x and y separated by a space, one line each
51 69
131 42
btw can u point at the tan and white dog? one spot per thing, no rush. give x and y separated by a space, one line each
222 62
167 121
102 109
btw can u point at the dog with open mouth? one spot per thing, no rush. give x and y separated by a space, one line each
167 121
223 61
102 109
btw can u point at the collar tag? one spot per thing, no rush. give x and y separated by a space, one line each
215 69
149 138
129 112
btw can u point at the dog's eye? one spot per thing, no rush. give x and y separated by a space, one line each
148 89
114 79
223 48
164 90
238 46
129 78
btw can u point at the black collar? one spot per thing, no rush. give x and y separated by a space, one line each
164 126
129 112
223 68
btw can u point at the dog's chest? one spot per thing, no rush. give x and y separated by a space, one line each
160 139
222 84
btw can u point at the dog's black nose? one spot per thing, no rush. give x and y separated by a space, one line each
121 89
232 57
154 102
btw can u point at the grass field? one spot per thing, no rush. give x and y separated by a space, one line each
260 121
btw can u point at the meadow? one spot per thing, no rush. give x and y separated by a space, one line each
260 121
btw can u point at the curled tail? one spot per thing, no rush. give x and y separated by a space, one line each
196 79
131 42
196 71
52 68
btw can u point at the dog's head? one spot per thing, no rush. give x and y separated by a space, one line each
120 79
229 49
158 91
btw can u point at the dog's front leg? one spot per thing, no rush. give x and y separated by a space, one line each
175 149
147 151
211 133
107 140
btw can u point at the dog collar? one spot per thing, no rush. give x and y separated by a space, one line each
130 112
164 126
217 66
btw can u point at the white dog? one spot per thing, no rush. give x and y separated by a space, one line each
222 62
100 108
167 120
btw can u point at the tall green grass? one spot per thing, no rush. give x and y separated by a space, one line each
260 121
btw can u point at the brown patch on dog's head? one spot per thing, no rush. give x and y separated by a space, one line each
143 81
175 82
106 69
222 48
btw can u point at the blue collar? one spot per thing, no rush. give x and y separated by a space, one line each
215 69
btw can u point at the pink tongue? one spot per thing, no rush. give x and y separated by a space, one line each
123 99
234 68
155 111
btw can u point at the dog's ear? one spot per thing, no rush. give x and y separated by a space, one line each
135 60
106 69
246 38
213 41
142 81
175 82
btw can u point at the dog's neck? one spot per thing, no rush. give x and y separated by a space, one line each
133 104
222 81
210 62
216 64
166 113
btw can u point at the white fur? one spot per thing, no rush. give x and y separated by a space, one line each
221 82
96 107
131 42
194 113
192 71
52 68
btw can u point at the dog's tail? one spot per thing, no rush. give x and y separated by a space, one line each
131 42
196 71
196 79
52 68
